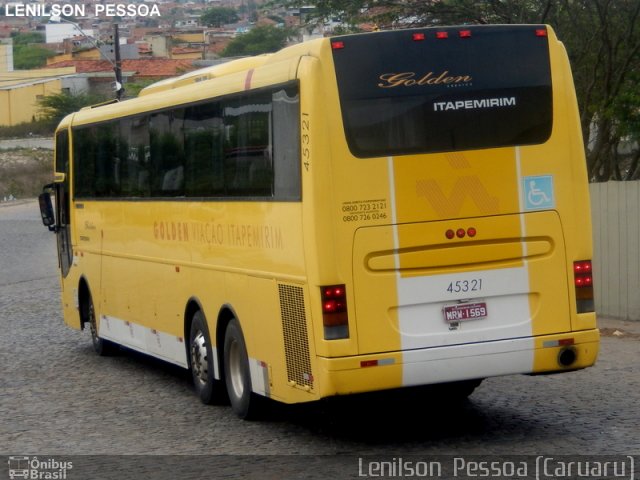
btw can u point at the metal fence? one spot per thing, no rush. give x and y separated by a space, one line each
616 260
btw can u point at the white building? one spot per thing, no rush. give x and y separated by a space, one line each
57 32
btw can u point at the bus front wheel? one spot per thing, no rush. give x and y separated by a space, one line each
244 403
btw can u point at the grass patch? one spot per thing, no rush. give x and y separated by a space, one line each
39 128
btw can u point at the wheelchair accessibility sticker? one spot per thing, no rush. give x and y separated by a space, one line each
538 193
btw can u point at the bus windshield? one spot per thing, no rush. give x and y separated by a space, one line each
443 90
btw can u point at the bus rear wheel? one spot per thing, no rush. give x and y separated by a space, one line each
210 390
244 402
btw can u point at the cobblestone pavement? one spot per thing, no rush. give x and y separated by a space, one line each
57 397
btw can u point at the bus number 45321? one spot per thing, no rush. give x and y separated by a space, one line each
464 286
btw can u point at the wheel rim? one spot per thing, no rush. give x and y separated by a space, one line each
199 359
235 369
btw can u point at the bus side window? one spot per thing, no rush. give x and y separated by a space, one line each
133 145
203 127
84 162
167 153
286 143
248 162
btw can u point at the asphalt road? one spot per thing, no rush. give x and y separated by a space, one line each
58 398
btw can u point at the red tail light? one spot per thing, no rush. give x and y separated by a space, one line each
337 45
418 37
442 35
465 33
461 233
334 312
583 282
541 32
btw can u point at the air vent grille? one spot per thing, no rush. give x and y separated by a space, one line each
296 338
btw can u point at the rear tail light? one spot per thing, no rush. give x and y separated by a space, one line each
334 312
583 283
461 233
337 45
442 35
541 32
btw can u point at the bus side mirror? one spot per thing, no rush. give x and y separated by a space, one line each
46 210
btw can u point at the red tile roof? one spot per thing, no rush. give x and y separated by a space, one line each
147 67
183 50
143 47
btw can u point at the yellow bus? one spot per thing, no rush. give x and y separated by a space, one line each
350 214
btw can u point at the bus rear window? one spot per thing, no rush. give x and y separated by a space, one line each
417 91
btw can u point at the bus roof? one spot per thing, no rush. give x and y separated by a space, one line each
207 73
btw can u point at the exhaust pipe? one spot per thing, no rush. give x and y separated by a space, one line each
567 356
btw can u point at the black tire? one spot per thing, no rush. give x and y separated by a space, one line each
244 402
201 361
102 347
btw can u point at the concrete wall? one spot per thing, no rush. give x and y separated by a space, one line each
615 210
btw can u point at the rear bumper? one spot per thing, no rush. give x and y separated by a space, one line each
529 355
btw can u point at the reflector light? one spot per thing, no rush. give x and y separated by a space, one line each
369 363
337 45
460 233
541 32
450 234
471 232
417 37
566 341
442 35
465 33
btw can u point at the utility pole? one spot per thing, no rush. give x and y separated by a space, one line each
118 65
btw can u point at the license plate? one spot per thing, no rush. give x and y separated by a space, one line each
465 311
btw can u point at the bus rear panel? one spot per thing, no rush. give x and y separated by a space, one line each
461 211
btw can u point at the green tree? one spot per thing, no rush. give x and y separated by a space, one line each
27 54
26 57
626 113
218 16
263 39
27 38
55 107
